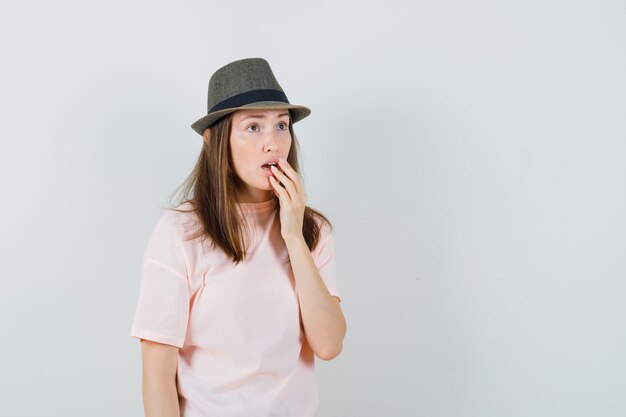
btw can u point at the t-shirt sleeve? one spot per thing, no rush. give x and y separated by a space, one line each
162 310
324 257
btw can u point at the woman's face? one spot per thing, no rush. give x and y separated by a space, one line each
258 136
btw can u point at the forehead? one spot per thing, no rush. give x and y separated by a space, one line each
264 114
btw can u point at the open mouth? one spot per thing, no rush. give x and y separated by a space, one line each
267 169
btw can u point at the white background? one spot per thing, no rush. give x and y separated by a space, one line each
469 153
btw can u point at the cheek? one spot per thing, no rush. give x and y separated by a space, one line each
243 152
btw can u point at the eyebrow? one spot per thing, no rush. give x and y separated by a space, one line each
261 116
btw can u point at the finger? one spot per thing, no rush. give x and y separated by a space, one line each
293 175
287 182
289 171
282 193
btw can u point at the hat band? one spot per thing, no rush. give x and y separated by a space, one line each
250 97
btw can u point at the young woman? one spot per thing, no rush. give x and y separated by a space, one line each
238 291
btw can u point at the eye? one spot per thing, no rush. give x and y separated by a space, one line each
255 126
286 126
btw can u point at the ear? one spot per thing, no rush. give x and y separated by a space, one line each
207 135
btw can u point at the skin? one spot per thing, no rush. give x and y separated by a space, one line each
256 136
253 141
158 381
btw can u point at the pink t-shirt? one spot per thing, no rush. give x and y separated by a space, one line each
243 351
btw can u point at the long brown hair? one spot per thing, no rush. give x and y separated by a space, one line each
213 189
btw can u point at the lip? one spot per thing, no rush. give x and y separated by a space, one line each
268 172
275 160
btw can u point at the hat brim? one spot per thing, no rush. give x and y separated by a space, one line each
298 112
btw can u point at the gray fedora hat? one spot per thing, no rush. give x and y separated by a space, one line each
245 84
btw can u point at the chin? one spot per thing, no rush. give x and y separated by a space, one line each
264 187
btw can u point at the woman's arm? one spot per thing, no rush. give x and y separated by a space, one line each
323 320
322 317
159 363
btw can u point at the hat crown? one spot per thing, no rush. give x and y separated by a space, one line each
239 77
247 83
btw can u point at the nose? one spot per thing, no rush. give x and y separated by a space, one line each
271 142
